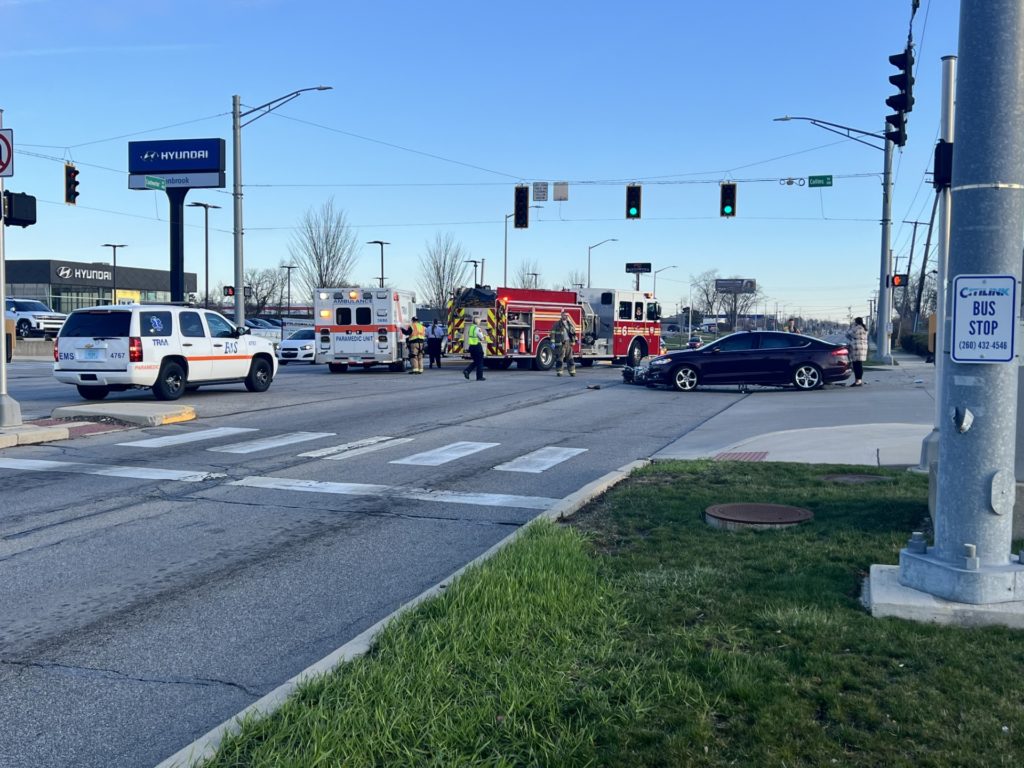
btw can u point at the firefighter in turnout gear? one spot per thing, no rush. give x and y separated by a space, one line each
563 336
417 334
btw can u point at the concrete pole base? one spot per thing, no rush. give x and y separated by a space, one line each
10 412
966 582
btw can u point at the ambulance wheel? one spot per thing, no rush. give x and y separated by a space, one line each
261 373
544 360
170 382
93 393
337 367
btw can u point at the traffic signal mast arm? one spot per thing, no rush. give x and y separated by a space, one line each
842 130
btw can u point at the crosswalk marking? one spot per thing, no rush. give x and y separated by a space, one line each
251 446
188 437
444 454
355 448
137 473
540 460
418 494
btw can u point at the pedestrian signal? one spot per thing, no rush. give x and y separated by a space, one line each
229 290
900 281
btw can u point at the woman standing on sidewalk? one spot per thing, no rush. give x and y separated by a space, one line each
858 336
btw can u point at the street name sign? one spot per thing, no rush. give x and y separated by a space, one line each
819 181
638 267
156 182
984 318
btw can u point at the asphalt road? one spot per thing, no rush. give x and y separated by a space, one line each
158 581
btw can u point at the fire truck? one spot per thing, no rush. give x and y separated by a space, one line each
362 326
612 324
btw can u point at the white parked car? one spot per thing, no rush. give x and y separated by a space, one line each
33 318
164 347
299 347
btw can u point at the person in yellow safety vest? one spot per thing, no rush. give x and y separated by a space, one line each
417 334
476 338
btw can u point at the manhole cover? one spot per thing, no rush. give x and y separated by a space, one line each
756 516
856 479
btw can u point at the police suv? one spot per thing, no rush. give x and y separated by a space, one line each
167 348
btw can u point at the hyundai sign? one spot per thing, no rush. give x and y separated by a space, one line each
176 156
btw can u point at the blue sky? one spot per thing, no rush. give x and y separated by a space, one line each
439 109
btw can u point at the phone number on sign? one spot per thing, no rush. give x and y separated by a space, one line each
1003 345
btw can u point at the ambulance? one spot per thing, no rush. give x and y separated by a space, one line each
362 327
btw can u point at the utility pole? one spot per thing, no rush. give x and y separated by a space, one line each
969 560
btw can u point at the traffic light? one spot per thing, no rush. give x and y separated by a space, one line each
70 184
634 193
522 209
229 290
727 204
901 103
900 281
19 209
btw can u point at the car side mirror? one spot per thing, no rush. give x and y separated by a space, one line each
241 330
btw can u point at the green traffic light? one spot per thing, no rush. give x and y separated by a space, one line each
727 209
632 211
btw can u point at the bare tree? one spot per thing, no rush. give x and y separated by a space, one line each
264 287
527 275
705 296
443 268
324 249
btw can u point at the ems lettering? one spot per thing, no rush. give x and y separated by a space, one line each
231 348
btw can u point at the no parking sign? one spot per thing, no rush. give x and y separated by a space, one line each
984 318
6 152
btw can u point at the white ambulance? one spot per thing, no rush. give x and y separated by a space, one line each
165 347
362 327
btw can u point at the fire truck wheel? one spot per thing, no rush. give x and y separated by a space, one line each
337 367
637 351
544 360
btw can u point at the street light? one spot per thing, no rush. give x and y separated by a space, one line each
381 243
474 262
504 280
534 275
882 340
206 226
592 247
289 267
113 289
654 288
236 140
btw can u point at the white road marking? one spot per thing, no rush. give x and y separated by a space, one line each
444 454
395 492
188 437
355 448
540 460
138 473
266 443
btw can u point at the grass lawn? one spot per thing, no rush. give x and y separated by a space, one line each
635 635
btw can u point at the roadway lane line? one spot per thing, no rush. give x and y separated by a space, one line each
355 448
540 460
444 454
188 437
137 473
396 492
266 443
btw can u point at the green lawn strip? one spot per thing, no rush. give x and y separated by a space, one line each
635 635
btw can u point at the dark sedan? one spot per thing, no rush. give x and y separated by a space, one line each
751 357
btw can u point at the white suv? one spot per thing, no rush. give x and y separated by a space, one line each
167 348
33 318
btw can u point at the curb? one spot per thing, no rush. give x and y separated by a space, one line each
206 745
140 414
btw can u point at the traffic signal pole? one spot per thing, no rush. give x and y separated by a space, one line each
970 559
883 332
10 410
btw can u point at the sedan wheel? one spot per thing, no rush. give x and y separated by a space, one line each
807 376
684 378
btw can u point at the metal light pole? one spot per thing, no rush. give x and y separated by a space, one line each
290 267
381 243
592 247
884 292
10 410
474 262
689 308
534 275
113 290
236 143
504 279
206 228
654 288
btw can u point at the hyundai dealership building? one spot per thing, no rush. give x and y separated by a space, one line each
68 285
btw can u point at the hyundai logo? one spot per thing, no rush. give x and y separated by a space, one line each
147 156
63 272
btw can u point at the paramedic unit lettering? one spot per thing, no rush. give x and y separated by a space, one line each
362 326
612 324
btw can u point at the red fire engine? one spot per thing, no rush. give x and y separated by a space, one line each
612 324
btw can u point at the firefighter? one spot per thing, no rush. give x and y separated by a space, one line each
563 335
417 334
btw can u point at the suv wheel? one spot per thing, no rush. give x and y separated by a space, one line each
170 383
93 393
260 376
24 328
